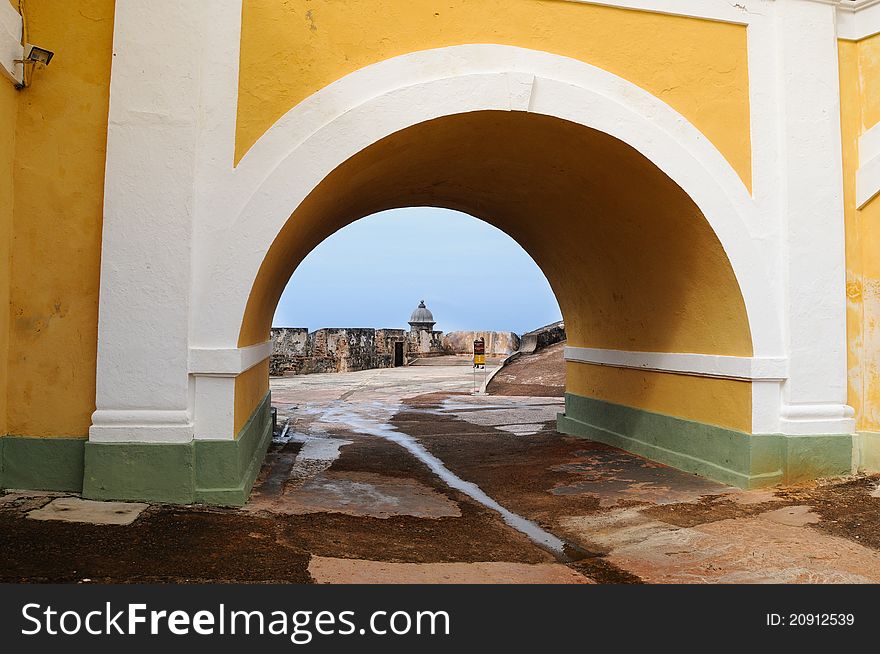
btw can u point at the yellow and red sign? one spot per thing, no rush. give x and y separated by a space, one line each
479 353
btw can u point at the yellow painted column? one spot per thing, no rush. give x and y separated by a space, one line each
60 141
860 111
8 115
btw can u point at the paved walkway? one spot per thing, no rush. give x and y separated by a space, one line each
402 475
642 520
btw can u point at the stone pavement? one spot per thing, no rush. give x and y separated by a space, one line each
402 475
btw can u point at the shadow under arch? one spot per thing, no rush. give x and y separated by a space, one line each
632 261
630 257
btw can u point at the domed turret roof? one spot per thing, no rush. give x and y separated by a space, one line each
421 314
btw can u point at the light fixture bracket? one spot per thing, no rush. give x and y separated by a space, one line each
34 57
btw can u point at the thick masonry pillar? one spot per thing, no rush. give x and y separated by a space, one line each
142 382
814 397
170 134
141 439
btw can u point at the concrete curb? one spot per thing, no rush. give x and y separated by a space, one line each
504 362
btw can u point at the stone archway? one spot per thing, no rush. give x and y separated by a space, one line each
275 206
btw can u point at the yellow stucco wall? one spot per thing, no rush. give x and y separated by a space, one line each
698 67
869 74
722 402
8 113
251 387
632 271
60 140
290 49
860 110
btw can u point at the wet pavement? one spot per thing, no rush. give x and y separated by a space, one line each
402 475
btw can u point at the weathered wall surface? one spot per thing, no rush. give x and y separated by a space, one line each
699 67
423 343
289 345
542 337
385 345
614 300
353 348
860 111
60 141
8 114
296 351
497 343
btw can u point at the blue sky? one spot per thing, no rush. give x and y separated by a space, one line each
374 272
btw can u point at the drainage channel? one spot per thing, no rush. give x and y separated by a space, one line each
563 551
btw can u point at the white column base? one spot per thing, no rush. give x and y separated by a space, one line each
815 419
141 426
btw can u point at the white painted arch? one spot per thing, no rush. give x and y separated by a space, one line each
326 129
322 132
187 230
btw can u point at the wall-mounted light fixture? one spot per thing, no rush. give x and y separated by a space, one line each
35 57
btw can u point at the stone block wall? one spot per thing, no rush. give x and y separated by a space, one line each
296 351
385 340
497 343
423 343
543 337
348 349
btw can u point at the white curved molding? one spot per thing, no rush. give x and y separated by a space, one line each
347 116
868 182
718 10
809 419
699 365
857 20
767 374
868 176
210 223
10 42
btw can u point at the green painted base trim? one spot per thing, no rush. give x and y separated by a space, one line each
868 451
226 470
161 472
41 463
725 455
207 471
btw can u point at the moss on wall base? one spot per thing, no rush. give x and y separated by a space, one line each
41 463
725 455
208 471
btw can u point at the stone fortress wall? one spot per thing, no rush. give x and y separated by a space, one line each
296 351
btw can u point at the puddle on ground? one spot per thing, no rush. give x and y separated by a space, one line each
565 552
369 495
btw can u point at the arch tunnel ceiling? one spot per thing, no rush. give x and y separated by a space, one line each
630 257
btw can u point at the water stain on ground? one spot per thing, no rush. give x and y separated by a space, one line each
367 488
547 475
846 507
369 494
517 473
191 544
617 477
708 509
